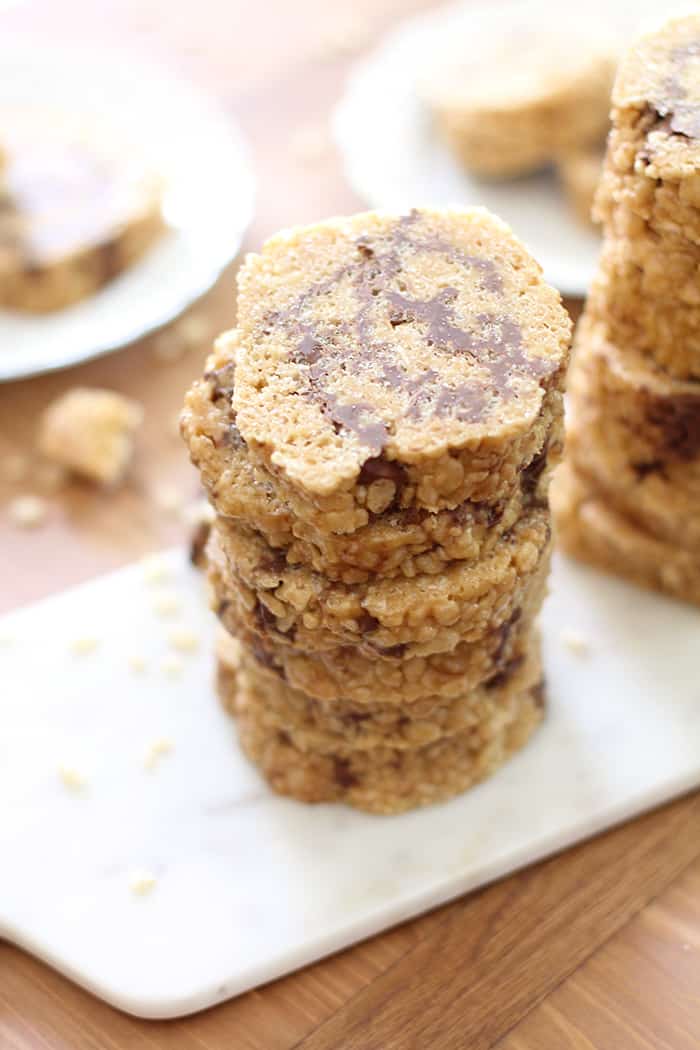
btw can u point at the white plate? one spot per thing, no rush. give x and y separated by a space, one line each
394 160
250 886
208 199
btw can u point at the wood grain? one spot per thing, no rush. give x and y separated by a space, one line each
598 949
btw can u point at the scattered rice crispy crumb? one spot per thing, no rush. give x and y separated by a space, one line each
137 664
142 883
82 646
156 751
183 640
91 432
71 778
195 330
27 512
14 467
190 333
154 569
167 606
172 666
575 642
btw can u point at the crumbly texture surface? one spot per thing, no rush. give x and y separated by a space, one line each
637 432
427 614
414 361
592 529
91 432
511 104
647 294
342 727
653 159
395 676
73 217
395 541
580 169
388 780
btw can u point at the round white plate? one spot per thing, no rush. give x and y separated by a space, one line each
394 160
208 202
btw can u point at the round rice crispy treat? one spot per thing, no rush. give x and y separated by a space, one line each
341 727
413 361
647 294
394 676
591 528
395 541
507 105
387 780
72 217
430 613
652 169
637 432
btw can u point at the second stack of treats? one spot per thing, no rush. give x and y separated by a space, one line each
628 498
377 437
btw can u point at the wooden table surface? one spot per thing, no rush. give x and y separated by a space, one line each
596 949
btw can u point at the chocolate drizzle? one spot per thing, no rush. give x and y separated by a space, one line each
674 111
325 349
677 421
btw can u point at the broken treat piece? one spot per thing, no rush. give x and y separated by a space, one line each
73 215
91 432
426 614
417 361
509 102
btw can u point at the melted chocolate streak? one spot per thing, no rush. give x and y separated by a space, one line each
679 116
350 347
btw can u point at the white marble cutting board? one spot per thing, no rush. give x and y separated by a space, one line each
249 886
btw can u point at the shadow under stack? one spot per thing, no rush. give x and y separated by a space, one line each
377 437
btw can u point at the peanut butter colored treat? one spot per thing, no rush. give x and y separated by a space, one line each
390 780
91 432
72 218
394 541
340 728
510 104
377 438
427 613
649 198
390 362
591 528
579 169
629 498
636 431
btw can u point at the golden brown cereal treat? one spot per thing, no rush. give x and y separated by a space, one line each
637 432
341 727
394 676
91 432
647 293
579 170
590 528
412 361
429 614
388 780
511 104
394 542
73 217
